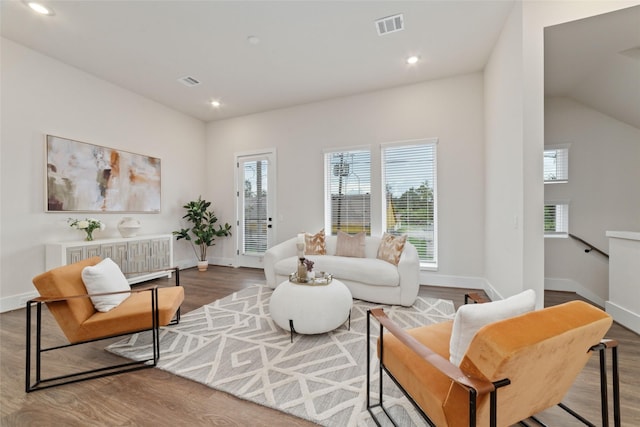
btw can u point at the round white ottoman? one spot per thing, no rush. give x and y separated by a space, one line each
310 309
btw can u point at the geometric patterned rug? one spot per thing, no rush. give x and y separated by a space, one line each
232 345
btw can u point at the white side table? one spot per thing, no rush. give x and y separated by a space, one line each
308 309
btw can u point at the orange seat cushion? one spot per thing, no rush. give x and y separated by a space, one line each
133 314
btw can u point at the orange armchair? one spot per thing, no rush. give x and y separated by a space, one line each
512 369
65 295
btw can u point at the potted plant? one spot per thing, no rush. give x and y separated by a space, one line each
203 231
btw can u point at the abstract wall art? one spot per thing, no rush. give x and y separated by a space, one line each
83 177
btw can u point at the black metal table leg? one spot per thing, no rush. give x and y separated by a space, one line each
292 329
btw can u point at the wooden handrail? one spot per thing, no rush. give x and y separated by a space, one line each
590 246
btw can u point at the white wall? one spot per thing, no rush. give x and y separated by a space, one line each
449 109
514 107
604 173
504 205
43 96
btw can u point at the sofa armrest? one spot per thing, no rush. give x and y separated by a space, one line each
276 253
409 272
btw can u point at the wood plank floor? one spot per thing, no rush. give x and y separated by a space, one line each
154 397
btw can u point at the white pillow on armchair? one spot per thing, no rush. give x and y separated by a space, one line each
470 318
105 277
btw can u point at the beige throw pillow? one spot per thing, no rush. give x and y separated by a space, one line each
391 248
351 246
314 244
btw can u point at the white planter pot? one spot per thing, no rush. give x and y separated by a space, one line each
203 265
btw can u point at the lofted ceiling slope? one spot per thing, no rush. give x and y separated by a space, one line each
596 61
306 50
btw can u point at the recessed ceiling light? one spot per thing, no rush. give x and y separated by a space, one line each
40 8
413 60
254 40
215 103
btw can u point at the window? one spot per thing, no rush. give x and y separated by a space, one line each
348 192
556 164
255 197
409 182
556 219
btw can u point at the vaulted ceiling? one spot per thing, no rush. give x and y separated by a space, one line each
596 61
254 56
303 51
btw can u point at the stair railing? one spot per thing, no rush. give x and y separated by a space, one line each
590 247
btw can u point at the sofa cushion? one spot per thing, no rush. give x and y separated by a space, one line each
391 247
470 318
364 270
314 244
351 245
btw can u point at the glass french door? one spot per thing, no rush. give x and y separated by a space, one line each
256 207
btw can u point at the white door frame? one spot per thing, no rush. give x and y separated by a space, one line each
255 260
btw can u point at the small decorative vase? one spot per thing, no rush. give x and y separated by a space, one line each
89 235
302 270
203 265
128 226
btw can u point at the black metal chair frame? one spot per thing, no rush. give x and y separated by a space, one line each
43 383
493 388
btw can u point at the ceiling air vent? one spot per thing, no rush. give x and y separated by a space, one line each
188 81
390 24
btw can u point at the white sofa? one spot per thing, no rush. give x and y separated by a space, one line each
368 278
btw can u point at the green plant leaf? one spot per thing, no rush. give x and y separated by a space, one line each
203 231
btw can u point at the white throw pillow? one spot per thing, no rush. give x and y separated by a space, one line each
105 277
472 317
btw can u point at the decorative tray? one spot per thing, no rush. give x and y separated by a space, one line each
293 278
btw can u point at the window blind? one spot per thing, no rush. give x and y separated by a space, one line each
556 164
255 206
409 174
556 219
348 192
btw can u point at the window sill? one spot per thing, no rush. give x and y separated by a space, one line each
428 266
556 236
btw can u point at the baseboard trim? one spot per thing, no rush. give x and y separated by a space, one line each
184 264
226 262
568 285
15 302
623 316
492 292
466 282
434 279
